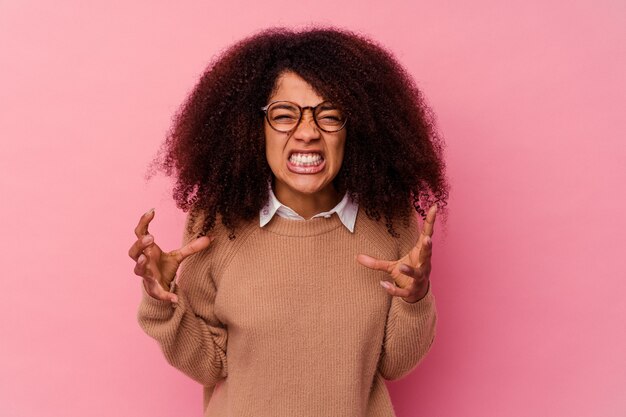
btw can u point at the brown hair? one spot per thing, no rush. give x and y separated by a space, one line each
216 146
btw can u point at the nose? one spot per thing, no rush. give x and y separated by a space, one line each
306 130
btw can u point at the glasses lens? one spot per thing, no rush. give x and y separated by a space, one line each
283 115
329 118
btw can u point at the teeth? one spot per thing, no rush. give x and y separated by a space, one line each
306 159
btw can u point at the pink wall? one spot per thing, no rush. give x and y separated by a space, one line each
529 274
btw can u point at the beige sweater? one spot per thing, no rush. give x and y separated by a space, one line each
283 321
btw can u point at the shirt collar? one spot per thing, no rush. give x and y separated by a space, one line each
346 210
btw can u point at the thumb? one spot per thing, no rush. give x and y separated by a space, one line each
194 246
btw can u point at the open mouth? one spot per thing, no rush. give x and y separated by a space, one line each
306 163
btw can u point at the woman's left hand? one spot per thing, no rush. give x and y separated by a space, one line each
410 273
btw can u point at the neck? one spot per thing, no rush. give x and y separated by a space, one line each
308 205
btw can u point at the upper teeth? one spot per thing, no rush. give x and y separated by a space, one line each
305 158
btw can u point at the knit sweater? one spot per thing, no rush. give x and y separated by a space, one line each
283 321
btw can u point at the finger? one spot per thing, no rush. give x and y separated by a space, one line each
412 272
154 289
395 291
140 266
374 263
146 269
142 226
139 245
192 247
153 272
429 222
426 251
419 276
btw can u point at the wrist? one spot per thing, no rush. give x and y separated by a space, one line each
420 295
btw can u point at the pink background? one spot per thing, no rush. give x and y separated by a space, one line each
529 273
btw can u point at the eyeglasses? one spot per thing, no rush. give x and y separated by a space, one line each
284 116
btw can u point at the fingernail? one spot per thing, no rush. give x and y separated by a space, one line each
385 284
404 268
149 211
141 258
174 299
147 239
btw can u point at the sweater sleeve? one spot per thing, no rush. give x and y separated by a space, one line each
410 327
190 336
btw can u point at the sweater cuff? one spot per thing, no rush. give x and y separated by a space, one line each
155 308
422 304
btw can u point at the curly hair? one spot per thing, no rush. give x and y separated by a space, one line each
215 148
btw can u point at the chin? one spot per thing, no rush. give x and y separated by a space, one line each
303 188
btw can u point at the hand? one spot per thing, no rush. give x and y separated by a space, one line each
411 273
158 268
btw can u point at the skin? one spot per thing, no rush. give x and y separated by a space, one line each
307 194
158 268
411 273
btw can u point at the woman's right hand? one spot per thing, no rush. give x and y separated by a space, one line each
158 268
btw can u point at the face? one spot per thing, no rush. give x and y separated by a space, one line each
307 159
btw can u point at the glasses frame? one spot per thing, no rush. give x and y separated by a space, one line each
302 109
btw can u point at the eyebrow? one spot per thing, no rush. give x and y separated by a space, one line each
284 106
329 106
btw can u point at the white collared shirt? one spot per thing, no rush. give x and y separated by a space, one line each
346 209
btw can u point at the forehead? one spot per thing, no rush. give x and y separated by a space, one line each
291 87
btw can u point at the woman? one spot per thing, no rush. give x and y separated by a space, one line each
301 158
